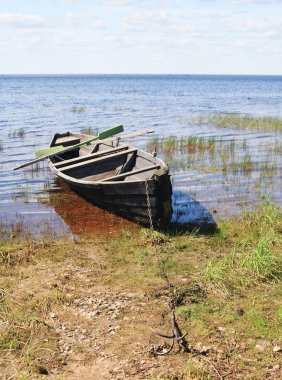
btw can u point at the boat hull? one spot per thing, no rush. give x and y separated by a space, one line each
146 201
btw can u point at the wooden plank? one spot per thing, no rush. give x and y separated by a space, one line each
67 140
88 157
97 160
133 172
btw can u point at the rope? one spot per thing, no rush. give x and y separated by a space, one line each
149 206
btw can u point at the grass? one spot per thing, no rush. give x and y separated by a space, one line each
232 120
222 285
90 131
249 170
77 109
257 257
191 144
18 133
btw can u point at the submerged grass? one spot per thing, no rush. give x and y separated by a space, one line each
77 109
18 133
232 120
90 131
222 284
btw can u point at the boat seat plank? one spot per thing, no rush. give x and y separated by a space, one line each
89 156
97 160
133 172
67 141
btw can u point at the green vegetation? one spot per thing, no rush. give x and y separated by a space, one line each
264 123
18 133
90 131
187 145
227 288
255 169
76 109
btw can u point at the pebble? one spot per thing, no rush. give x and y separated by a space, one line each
205 349
260 347
221 329
81 337
277 349
275 367
53 315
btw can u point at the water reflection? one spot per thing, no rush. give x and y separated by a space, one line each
190 214
82 217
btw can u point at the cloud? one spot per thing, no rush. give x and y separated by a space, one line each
79 17
140 21
67 2
84 19
144 3
20 20
268 26
257 1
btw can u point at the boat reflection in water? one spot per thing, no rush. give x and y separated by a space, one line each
82 217
85 219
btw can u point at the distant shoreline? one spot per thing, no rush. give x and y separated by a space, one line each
143 75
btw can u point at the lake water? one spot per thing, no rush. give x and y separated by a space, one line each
33 108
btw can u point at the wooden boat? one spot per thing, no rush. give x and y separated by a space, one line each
117 177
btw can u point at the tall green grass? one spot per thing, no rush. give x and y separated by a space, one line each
232 120
257 257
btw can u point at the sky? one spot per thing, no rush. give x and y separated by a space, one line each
146 37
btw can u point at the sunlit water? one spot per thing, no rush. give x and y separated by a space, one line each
42 105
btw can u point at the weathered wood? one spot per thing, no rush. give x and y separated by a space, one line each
99 178
97 160
88 157
133 172
67 140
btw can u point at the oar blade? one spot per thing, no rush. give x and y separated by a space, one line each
105 134
47 151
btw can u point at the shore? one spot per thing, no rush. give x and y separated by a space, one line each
84 309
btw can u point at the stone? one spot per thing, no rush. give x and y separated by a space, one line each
275 367
205 349
277 349
221 329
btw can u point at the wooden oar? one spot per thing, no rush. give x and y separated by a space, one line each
131 135
101 136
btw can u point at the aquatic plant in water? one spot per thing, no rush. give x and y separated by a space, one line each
245 121
78 109
90 131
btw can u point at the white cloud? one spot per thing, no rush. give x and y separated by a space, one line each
79 17
147 16
67 2
257 1
20 20
145 20
84 19
144 3
270 26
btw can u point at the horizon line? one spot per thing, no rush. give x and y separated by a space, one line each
136 74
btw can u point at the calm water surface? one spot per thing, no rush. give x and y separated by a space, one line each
42 105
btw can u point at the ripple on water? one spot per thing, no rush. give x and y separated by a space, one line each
204 187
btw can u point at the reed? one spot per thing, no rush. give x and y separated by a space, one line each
244 121
191 144
89 131
17 133
76 109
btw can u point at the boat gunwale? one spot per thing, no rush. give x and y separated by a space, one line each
114 182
